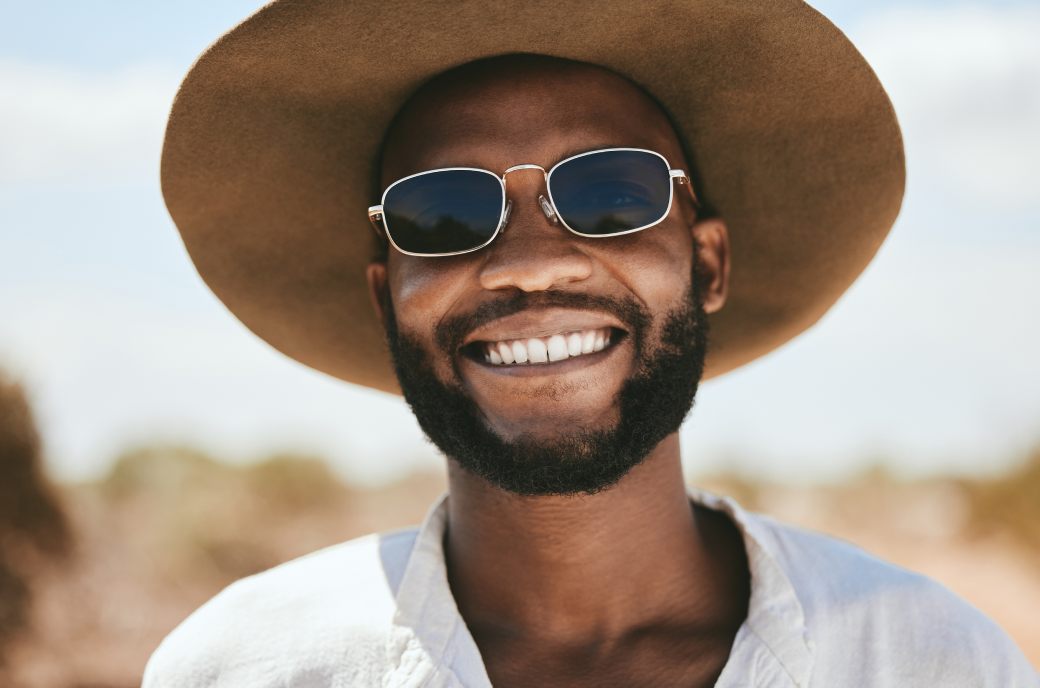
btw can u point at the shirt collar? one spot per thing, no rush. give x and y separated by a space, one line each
429 645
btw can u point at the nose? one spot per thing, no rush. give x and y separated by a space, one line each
533 253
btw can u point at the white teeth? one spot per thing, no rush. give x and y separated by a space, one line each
506 352
519 352
574 344
588 342
537 350
558 347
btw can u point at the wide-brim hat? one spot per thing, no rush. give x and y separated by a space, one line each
267 165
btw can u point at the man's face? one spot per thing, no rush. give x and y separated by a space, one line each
537 279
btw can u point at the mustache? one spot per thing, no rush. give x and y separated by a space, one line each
450 333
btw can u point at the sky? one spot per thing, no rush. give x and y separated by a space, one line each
927 366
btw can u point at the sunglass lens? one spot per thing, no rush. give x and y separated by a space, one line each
446 211
610 192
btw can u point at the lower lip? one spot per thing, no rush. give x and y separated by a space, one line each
569 365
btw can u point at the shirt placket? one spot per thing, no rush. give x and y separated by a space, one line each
428 632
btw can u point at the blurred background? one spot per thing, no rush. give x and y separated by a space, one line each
152 450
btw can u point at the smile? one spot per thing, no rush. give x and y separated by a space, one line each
544 350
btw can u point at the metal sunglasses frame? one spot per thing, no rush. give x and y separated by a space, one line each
378 219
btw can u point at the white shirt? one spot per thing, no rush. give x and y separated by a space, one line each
378 612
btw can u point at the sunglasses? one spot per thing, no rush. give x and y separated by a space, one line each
602 193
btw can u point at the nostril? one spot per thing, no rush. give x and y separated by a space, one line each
547 209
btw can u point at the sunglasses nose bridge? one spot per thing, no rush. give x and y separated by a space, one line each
514 168
543 204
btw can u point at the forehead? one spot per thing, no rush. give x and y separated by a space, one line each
522 110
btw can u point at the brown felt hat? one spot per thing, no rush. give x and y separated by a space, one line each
268 161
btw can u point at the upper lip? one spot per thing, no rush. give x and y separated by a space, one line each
541 322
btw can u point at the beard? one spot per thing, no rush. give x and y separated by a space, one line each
652 404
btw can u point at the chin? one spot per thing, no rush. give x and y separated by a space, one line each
549 430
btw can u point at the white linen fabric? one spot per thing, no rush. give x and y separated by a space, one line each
378 612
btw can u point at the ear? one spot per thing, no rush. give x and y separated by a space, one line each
377 286
712 261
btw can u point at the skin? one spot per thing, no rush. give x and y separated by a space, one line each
631 586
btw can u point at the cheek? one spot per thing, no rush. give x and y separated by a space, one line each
424 290
655 264
417 286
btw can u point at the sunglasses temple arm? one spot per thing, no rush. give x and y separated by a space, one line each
680 177
375 216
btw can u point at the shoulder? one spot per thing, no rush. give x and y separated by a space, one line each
326 614
868 617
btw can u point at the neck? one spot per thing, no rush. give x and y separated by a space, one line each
594 566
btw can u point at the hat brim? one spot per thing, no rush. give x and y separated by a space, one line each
268 160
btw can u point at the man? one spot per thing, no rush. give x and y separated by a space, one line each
546 264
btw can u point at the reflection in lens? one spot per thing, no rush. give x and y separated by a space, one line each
444 212
611 191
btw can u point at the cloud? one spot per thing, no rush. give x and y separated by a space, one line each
965 83
60 125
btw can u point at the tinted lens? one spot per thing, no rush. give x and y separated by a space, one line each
443 212
611 191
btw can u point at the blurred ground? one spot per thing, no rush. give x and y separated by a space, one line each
169 528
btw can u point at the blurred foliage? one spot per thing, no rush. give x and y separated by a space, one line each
293 483
28 506
287 483
207 514
31 520
743 490
1008 504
